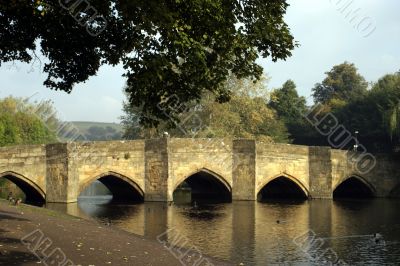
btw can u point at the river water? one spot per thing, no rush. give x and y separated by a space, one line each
311 232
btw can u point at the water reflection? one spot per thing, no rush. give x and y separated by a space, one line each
262 233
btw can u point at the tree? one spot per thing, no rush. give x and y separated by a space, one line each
246 115
22 123
342 84
291 108
182 47
392 118
376 115
132 127
288 104
386 96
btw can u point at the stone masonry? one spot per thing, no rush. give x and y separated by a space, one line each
155 167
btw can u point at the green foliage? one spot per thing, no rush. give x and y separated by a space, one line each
246 115
342 82
131 123
182 47
376 115
393 121
291 108
386 96
22 123
287 102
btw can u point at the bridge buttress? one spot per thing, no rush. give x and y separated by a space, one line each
61 180
156 170
244 170
320 172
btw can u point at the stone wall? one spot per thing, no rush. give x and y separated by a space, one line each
320 172
275 160
72 167
244 170
156 167
59 181
27 163
156 170
92 160
189 156
382 178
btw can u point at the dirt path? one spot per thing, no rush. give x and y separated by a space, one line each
49 238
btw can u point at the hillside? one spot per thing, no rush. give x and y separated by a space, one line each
99 130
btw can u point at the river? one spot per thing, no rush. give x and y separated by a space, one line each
310 232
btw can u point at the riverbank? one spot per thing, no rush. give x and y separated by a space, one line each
52 235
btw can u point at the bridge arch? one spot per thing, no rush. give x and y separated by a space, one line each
123 188
204 185
33 192
282 186
354 186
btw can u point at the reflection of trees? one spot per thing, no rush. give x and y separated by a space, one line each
105 212
203 212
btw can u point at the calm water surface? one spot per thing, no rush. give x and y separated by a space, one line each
273 233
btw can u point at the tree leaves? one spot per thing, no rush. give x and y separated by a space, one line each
342 82
168 47
21 123
246 115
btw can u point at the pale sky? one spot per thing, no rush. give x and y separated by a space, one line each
326 34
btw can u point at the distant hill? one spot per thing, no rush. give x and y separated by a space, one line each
99 131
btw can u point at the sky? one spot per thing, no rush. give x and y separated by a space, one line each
329 32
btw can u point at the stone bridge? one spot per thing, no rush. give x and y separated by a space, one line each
151 170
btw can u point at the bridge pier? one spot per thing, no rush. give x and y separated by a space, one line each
156 170
244 170
61 179
320 172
